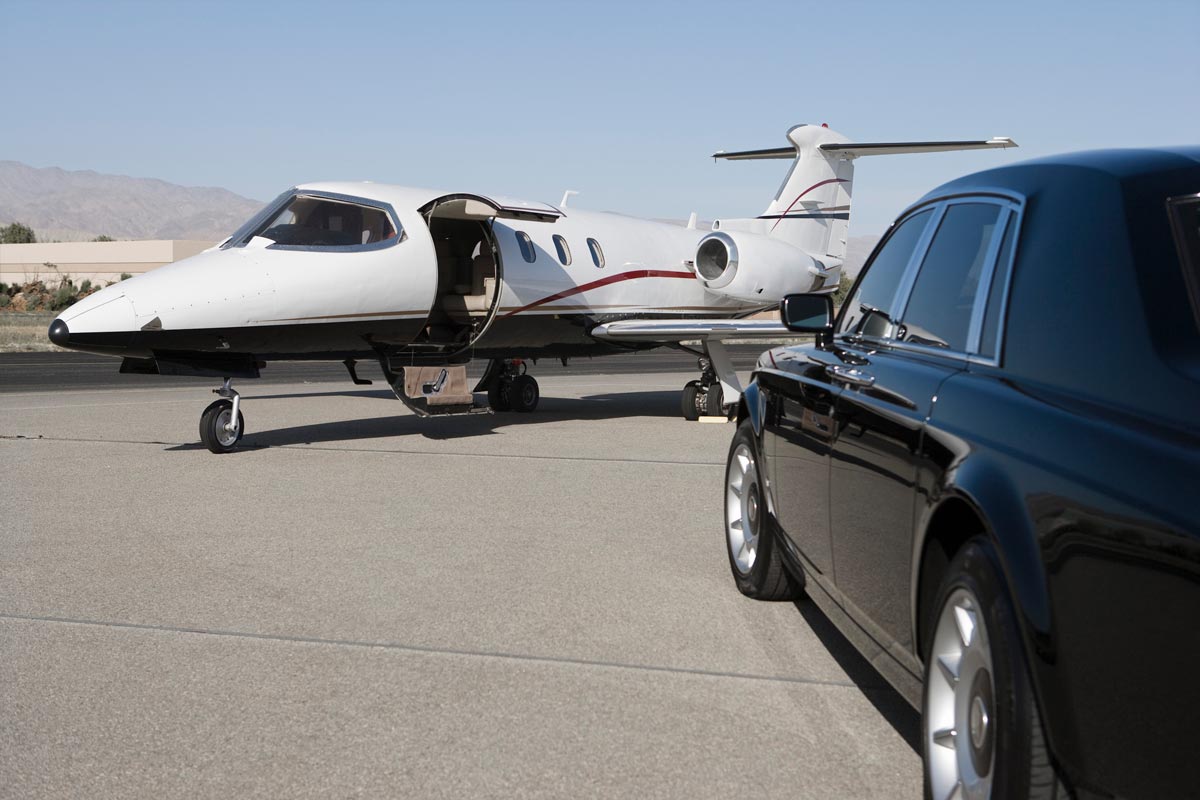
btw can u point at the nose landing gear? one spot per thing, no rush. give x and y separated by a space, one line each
221 424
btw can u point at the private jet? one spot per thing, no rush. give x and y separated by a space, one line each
424 281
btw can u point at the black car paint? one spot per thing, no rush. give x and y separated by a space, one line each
1077 452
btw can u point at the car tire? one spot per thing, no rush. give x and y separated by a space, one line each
750 536
979 723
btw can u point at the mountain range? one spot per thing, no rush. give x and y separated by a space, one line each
74 206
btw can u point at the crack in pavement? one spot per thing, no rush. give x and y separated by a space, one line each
447 651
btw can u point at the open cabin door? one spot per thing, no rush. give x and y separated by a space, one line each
470 272
430 374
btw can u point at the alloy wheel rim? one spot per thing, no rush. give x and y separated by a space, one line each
225 436
743 508
960 714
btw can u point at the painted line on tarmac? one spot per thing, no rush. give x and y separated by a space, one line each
444 651
253 448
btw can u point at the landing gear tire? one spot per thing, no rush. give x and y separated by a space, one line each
980 729
689 404
214 427
523 393
750 537
714 401
498 396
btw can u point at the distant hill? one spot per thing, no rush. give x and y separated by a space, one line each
79 206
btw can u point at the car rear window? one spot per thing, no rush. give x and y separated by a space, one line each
1185 220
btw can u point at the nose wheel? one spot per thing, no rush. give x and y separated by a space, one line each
221 424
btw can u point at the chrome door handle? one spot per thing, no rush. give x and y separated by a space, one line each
851 376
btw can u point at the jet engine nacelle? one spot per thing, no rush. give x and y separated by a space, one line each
752 267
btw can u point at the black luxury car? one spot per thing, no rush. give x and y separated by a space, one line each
986 472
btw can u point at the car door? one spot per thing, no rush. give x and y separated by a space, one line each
894 361
799 426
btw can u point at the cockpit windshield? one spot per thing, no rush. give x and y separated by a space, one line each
318 221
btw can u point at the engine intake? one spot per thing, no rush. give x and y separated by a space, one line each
752 267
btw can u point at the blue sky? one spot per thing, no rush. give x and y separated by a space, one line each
623 101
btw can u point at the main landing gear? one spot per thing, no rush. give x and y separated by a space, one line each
703 398
509 388
717 388
221 424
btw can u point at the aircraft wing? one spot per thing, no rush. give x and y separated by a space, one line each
680 330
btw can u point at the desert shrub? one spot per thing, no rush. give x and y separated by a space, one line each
5 300
3 288
62 297
843 290
85 287
125 276
104 238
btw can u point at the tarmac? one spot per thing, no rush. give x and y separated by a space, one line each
360 602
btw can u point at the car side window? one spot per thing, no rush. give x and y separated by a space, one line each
938 313
868 310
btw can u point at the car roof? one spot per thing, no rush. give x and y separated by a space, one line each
1026 177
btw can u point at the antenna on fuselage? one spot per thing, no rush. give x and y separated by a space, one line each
566 196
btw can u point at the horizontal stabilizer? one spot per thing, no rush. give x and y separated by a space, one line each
895 148
682 330
751 155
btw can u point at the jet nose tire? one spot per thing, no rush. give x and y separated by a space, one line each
59 333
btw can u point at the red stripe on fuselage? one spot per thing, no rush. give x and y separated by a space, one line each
622 276
806 191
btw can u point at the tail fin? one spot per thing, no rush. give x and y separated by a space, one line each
811 210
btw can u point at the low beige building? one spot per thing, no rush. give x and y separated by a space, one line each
99 262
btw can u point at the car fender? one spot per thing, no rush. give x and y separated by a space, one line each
989 490
752 406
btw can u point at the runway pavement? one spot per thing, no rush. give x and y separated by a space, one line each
364 603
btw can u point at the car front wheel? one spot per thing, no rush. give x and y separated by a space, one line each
750 540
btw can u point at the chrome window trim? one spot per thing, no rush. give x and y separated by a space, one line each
975 328
1016 216
1012 210
287 197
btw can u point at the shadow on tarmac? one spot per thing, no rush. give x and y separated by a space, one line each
887 701
592 407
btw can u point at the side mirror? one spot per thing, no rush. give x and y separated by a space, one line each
807 313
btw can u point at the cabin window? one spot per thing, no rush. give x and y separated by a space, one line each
526 244
564 252
318 222
597 253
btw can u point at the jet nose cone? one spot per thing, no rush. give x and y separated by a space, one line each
59 334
